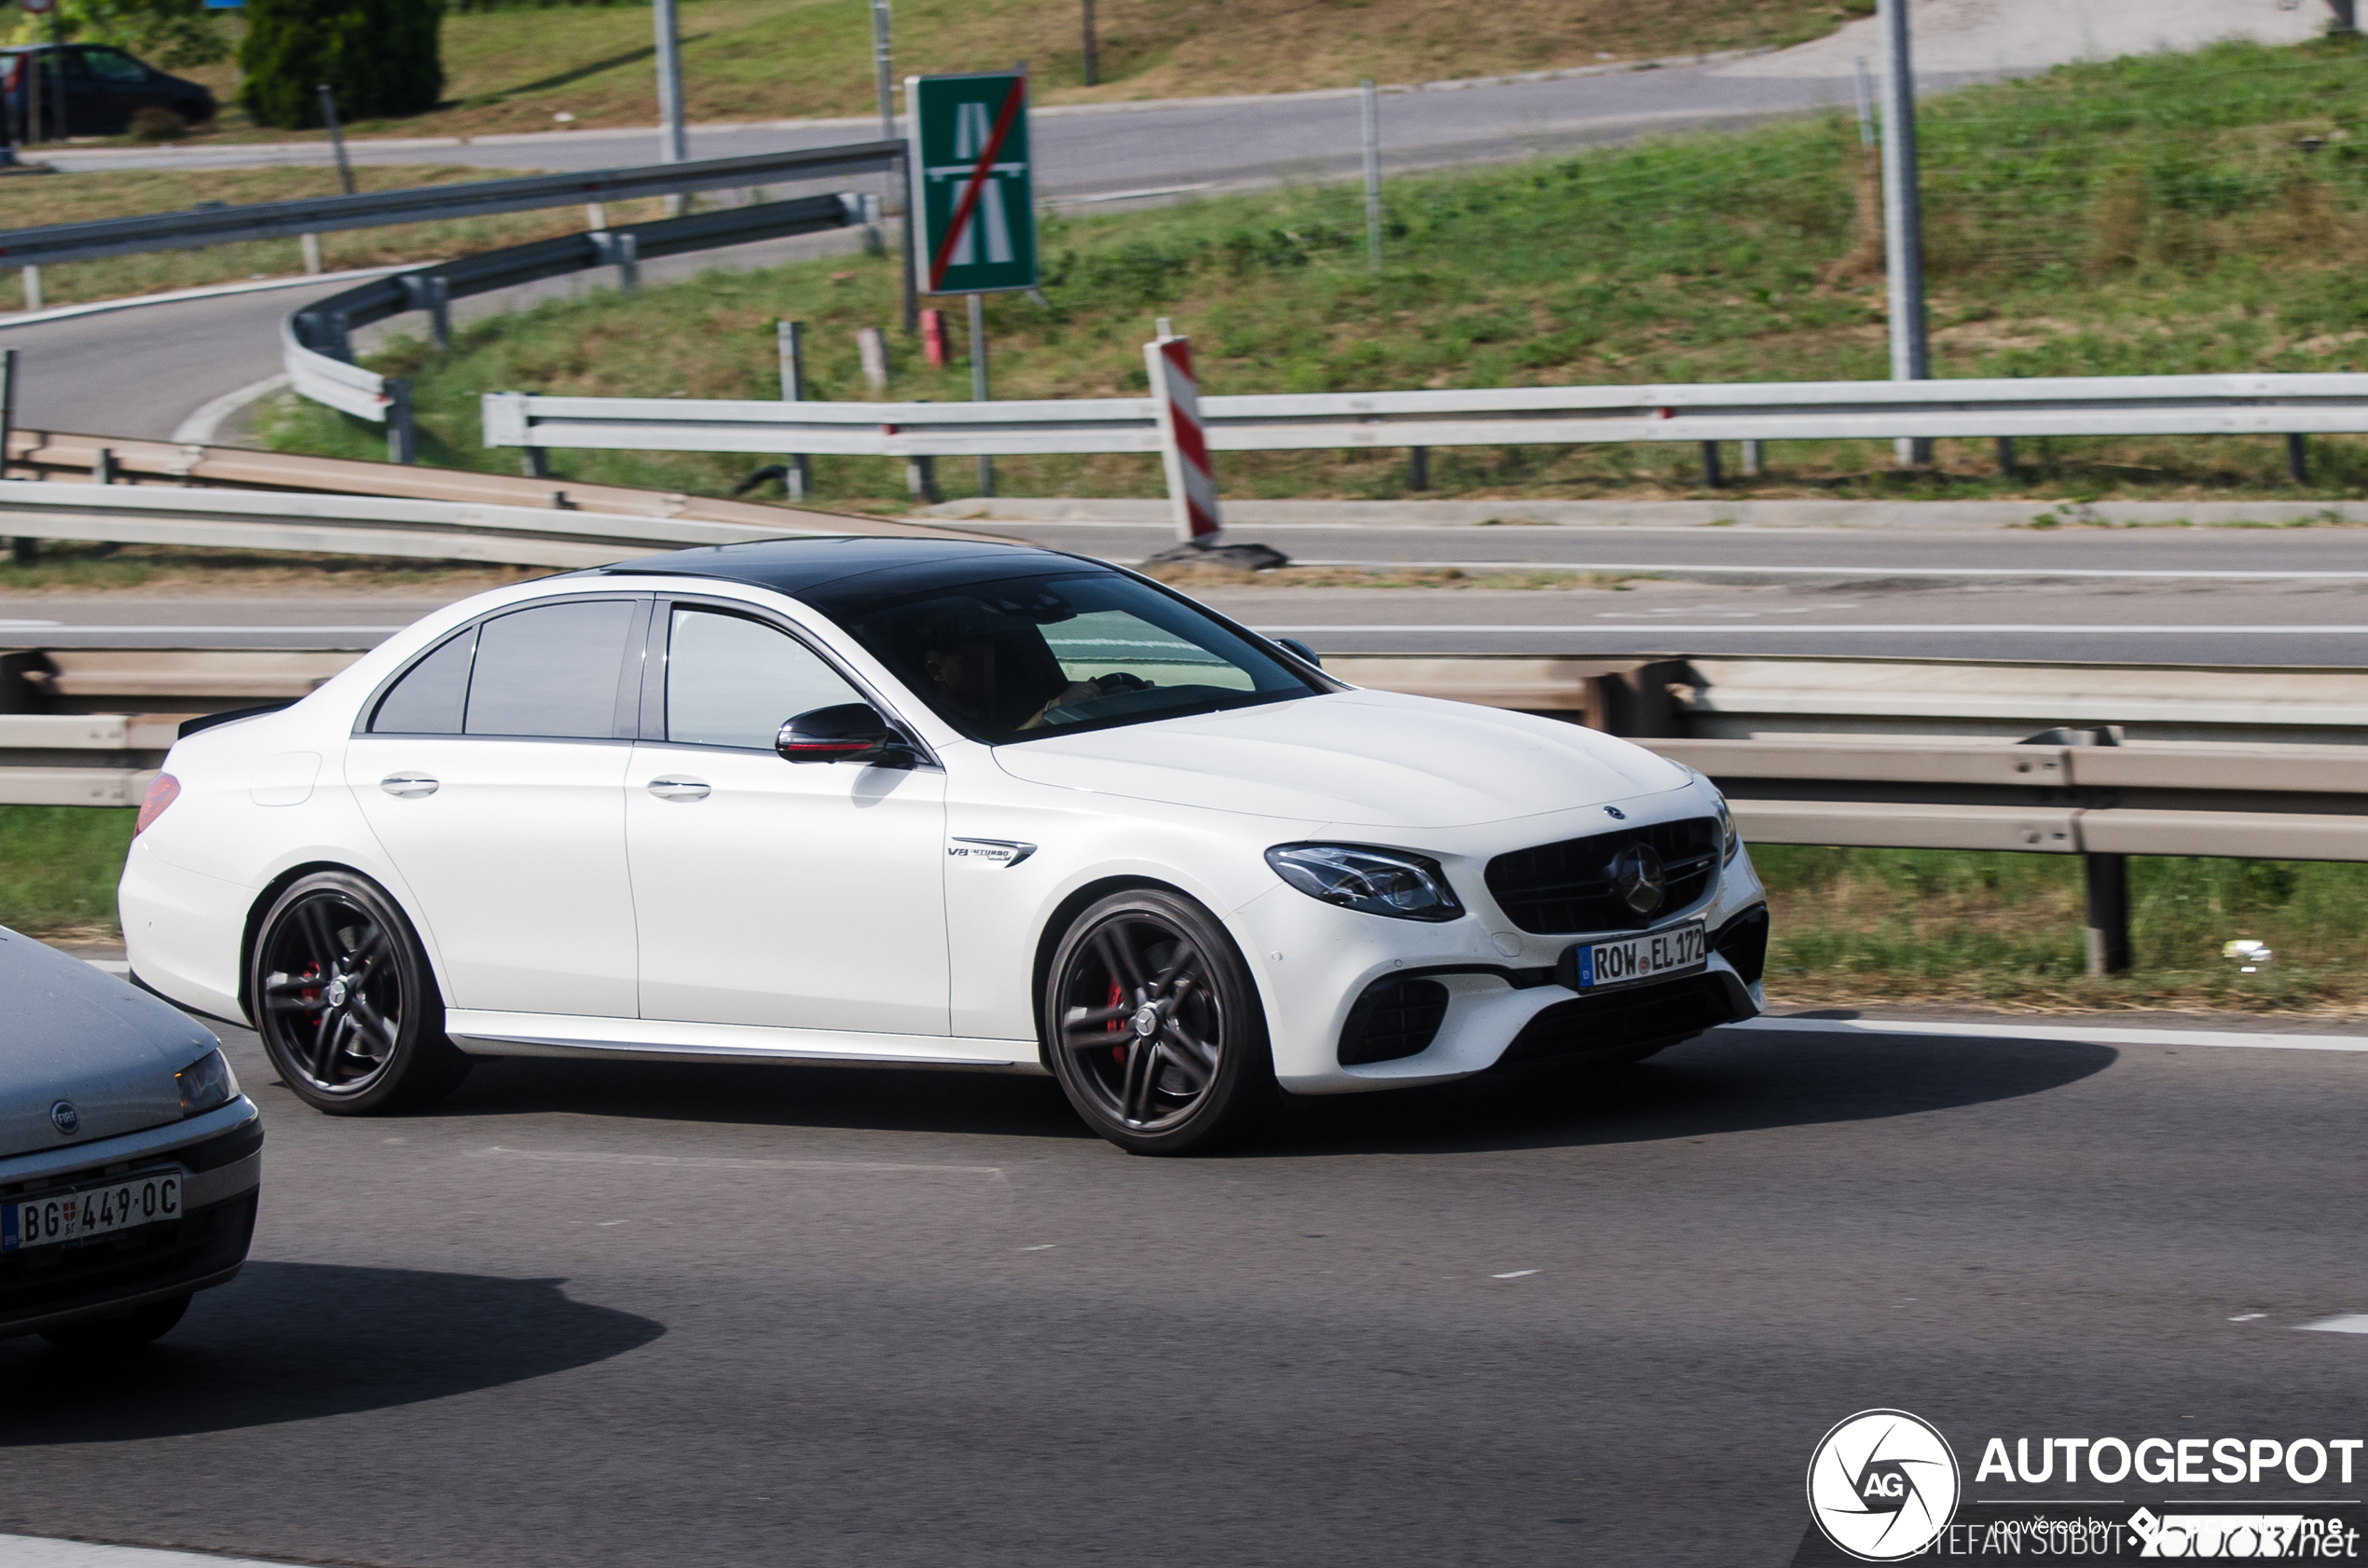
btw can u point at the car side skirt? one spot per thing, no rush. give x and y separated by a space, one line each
649 1039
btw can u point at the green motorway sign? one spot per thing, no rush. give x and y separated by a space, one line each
970 182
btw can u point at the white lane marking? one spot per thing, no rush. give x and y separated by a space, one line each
24 626
216 291
1681 570
40 1551
2248 1317
207 416
2106 1035
702 1163
1517 1273
1040 1246
1124 194
1929 628
2348 1322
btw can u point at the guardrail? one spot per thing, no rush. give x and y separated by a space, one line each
128 464
316 344
221 497
53 243
2294 406
90 726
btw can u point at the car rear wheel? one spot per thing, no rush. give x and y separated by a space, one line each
346 1005
130 1332
1156 1032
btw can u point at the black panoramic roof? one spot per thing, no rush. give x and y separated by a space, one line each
798 567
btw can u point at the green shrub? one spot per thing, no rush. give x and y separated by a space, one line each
381 56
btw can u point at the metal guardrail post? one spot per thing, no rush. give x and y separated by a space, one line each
21 550
337 136
618 249
2006 457
2298 459
797 479
1712 476
440 311
402 439
1418 468
1903 217
2108 913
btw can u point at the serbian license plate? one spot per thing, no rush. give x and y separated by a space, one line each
53 1218
1675 950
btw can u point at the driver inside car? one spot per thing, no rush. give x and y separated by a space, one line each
962 676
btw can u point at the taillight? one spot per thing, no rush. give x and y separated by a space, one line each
9 72
162 792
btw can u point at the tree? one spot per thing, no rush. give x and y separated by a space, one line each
380 56
174 34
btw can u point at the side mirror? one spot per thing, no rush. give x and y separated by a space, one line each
852 731
1300 650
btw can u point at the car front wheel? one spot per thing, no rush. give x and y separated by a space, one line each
345 1002
1156 1032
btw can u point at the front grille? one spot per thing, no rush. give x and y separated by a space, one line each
1632 1015
1393 1019
1566 887
39 1280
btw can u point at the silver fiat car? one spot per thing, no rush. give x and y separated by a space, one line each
129 1163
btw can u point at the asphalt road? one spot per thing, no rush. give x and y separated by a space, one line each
2213 596
594 1314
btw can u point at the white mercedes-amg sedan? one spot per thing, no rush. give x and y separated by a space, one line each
926 803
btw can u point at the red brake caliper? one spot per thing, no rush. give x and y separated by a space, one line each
1117 1025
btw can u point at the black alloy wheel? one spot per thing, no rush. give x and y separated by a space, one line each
1157 1036
343 999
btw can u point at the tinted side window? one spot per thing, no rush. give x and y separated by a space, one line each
731 682
427 700
550 671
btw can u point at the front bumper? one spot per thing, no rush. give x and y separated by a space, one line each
105 1276
1473 994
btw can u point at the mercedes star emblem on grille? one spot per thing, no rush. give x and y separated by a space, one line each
1638 875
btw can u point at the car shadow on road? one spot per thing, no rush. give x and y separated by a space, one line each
1727 1081
292 1341
1724 1082
811 1095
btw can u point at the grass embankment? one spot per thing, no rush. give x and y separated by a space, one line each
1851 926
2154 215
59 865
28 200
513 68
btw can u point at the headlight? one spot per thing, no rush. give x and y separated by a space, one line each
1386 882
1730 840
206 1082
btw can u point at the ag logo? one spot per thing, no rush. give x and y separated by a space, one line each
1882 1485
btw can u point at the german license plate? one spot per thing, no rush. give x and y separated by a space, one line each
1674 951
54 1217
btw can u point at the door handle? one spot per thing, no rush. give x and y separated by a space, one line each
679 789
407 786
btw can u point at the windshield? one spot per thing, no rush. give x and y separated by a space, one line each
1028 657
